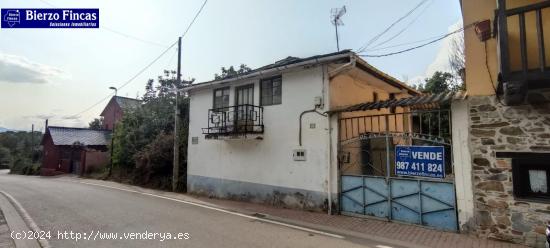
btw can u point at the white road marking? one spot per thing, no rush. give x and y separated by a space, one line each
30 222
305 229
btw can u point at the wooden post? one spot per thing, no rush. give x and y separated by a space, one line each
176 166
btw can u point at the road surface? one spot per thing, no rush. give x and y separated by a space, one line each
61 207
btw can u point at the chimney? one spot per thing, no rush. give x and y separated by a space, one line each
46 127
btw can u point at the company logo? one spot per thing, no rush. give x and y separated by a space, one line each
50 18
11 17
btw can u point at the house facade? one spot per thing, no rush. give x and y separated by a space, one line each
73 150
268 135
507 116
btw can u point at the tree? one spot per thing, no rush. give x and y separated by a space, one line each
457 60
143 142
18 150
96 124
5 157
231 72
439 82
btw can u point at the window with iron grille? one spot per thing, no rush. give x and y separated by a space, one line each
221 98
271 91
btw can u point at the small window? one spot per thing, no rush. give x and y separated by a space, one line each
221 98
271 91
530 178
374 97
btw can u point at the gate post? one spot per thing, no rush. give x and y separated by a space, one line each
388 166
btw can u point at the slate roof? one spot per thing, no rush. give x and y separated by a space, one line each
124 102
70 135
127 103
420 101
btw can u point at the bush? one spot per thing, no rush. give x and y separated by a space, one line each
24 166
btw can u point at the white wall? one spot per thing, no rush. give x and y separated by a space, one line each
462 163
268 161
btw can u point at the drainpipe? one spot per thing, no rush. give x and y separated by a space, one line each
342 68
329 181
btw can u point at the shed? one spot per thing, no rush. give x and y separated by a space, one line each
74 150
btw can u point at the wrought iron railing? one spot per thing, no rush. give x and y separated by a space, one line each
235 120
536 76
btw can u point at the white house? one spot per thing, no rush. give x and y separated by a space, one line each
265 136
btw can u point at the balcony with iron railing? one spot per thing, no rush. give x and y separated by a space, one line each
235 122
522 45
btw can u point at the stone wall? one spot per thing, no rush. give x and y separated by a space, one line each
497 128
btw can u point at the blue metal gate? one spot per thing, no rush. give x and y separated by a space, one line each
422 202
369 183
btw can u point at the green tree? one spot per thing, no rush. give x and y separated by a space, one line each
143 142
440 82
23 151
96 124
5 157
231 72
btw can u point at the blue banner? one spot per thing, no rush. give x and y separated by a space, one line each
422 161
50 18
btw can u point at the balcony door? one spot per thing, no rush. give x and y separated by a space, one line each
244 101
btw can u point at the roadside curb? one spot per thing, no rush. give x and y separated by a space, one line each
25 218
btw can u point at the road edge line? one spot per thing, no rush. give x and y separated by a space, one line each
27 218
305 229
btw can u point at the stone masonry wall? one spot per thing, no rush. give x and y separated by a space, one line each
496 128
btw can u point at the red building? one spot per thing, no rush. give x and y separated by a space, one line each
115 109
74 150
80 150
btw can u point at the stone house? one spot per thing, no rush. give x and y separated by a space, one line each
507 115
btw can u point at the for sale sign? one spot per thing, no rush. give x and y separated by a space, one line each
422 161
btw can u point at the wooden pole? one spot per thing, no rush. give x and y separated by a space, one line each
176 166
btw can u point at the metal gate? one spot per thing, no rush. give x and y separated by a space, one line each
369 182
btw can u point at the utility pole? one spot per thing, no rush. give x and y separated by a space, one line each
112 136
336 19
32 143
176 169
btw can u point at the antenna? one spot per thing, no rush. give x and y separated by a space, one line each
336 19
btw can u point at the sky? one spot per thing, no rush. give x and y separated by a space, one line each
57 73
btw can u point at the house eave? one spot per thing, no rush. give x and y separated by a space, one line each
268 72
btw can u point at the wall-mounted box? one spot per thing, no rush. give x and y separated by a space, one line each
299 154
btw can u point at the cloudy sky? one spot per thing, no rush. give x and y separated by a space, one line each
58 73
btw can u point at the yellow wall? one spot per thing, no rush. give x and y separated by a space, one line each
346 90
477 77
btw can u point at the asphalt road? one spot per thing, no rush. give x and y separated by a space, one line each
58 206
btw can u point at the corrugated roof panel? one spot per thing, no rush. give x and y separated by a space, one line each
84 136
420 101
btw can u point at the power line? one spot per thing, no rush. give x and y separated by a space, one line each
194 18
404 28
112 30
419 46
132 37
129 80
171 58
406 43
374 39
152 62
